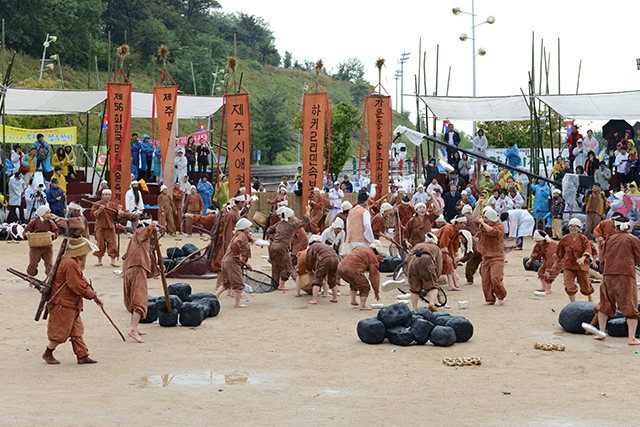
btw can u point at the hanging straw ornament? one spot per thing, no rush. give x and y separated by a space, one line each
379 64
232 64
318 69
164 53
123 52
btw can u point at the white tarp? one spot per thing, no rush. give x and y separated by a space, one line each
33 102
599 106
478 109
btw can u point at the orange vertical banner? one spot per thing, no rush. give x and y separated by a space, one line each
118 134
166 97
313 124
238 141
379 121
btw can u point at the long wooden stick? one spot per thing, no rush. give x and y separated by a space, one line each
114 325
162 276
44 297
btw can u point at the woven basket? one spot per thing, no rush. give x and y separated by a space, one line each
260 219
305 282
40 240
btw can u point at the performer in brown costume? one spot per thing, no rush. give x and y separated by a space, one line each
403 213
230 220
236 256
68 288
178 198
105 230
300 239
545 250
491 245
344 212
470 226
472 256
420 224
449 243
280 197
604 230
166 210
353 266
423 267
41 224
319 207
618 259
575 250
193 204
279 254
77 224
326 263
379 222
137 266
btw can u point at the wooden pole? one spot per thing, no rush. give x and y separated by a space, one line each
193 76
97 73
419 154
109 58
167 300
578 84
559 92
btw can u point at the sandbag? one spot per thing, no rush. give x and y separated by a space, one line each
574 314
389 264
441 320
462 327
193 313
174 253
535 265
188 249
371 331
421 330
399 335
424 312
617 327
152 311
181 290
437 314
395 315
175 301
169 319
443 336
169 264
211 299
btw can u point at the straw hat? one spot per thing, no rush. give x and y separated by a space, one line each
78 247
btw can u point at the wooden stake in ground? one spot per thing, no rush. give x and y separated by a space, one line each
161 267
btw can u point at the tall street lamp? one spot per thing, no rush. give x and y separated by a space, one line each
396 77
47 42
403 58
463 37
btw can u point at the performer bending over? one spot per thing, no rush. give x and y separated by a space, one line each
279 255
235 258
423 266
326 266
620 255
352 268
68 288
545 249
575 250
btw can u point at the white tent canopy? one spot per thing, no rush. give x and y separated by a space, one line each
35 102
599 106
478 109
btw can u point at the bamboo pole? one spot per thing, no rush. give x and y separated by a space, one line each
578 84
436 92
559 92
109 58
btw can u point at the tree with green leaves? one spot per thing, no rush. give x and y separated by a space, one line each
344 128
270 130
351 70
359 90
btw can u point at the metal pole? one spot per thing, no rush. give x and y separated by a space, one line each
304 88
193 76
473 52
435 93
579 69
60 68
44 53
97 74
3 46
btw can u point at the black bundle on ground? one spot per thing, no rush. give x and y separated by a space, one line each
443 336
462 327
399 335
174 253
424 312
389 264
395 315
152 311
169 264
188 249
193 313
442 320
211 299
371 331
166 318
574 314
436 314
181 290
421 330
535 265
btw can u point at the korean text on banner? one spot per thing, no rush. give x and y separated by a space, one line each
118 134
379 121
313 124
166 97
238 141
66 135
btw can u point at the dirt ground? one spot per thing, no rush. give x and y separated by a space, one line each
283 362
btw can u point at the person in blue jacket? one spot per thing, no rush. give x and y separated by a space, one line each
512 155
146 157
42 149
135 155
56 199
541 192
205 190
157 163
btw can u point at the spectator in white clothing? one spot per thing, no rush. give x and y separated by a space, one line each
335 198
420 196
580 155
590 142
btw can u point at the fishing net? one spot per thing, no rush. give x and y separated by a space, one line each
258 282
442 296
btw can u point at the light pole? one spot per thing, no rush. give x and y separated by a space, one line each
396 77
403 58
463 37
47 42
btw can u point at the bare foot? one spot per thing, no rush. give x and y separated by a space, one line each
283 289
141 333
240 306
313 302
501 302
113 264
333 300
326 296
296 295
98 264
454 289
135 336
468 283
354 303
634 342
548 292
365 308
539 290
598 337
489 303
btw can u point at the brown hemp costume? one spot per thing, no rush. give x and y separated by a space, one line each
137 267
279 254
193 204
423 267
238 250
326 263
605 230
448 237
353 266
570 252
45 253
491 246
166 211
473 259
378 225
300 240
178 197
105 229
318 207
68 288
417 228
618 260
403 214
545 250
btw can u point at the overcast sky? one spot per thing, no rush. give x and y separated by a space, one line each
603 34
